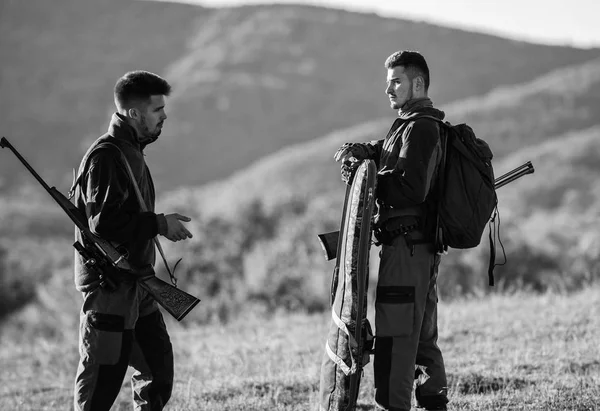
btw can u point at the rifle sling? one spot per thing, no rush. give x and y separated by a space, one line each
143 205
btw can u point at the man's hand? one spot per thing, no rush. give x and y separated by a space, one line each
349 167
175 229
349 162
344 151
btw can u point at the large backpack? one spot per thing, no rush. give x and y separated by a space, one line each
466 193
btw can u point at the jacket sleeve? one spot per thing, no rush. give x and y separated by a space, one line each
409 182
106 191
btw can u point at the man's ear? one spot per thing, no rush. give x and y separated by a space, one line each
133 113
418 84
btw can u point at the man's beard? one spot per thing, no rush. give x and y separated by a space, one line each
148 136
397 105
409 97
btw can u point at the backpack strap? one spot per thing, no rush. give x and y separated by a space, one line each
439 235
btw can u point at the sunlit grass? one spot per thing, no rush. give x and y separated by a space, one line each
517 352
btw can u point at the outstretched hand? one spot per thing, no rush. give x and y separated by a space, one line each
175 229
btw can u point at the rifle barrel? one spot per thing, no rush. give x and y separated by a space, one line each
514 171
514 174
4 143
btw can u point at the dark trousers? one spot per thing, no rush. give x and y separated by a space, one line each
406 329
108 347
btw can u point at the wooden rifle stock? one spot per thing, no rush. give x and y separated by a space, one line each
103 258
329 241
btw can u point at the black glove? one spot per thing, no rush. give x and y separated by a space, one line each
349 167
347 150
350 154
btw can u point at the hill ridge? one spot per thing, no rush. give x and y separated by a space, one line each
279 169
248 80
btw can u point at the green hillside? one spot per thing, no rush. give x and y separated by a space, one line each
248 80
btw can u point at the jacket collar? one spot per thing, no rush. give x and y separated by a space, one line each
419 106
415 104
121 130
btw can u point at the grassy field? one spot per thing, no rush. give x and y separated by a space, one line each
517 352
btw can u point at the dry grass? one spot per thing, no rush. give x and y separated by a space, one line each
518 352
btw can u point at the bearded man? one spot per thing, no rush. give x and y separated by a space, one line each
123 326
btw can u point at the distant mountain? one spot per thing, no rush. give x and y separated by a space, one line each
248 80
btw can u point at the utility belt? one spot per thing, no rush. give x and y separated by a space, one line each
409 227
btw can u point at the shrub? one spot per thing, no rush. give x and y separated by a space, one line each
16 290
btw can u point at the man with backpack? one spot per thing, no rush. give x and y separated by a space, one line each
408 161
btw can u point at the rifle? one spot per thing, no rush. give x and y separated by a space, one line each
329 241
512 175
102 257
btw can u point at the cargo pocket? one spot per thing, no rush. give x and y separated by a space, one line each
102 338
394 311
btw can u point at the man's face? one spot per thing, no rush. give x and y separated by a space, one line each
152 117
399 87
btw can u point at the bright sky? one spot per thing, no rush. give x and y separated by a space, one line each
572 22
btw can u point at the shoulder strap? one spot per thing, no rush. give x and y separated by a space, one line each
144 207
439 234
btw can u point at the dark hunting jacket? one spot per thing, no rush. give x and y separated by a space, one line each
105 195
407 161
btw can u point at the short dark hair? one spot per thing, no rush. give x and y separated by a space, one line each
412 61
138 86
